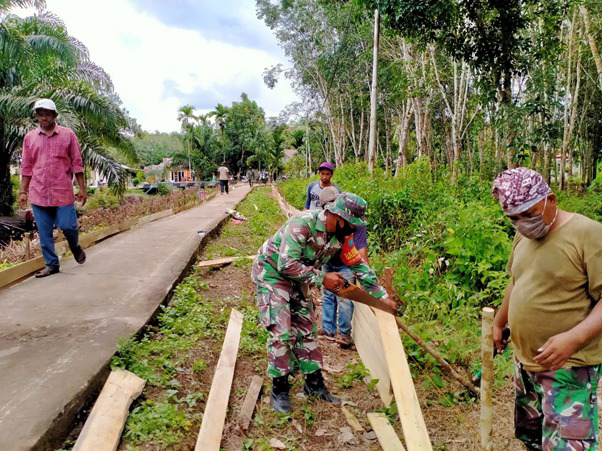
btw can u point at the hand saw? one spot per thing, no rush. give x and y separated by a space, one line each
355 293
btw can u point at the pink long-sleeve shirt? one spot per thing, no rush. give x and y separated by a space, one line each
51 161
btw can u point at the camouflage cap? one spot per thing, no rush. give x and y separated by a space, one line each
350 207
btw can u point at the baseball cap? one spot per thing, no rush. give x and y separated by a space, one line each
350 207
327 195
47 104
326 165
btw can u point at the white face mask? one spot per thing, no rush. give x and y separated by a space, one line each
534 228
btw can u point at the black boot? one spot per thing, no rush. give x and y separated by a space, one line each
314 387
281 401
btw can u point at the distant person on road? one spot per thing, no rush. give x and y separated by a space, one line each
285 266
250 177
224 177
51 156
353 251
552 306
312 201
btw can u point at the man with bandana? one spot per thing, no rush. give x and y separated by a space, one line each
551 306
285 266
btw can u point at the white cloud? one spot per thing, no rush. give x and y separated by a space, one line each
142 55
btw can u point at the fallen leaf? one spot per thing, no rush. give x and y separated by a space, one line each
298 426
275 443
370 435
320 432
346 435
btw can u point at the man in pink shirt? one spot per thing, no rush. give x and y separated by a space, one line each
51 155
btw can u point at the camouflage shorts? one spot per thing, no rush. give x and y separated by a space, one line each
557 410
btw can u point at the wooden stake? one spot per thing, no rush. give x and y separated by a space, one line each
27 243
248 406
103 428
210 435
487 380
384 432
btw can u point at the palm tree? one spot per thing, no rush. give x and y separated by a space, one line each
221 116
186 116
39 59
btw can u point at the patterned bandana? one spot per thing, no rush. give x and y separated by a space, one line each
519 189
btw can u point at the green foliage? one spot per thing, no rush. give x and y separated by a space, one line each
102 198
250 235
157 422
163 189
355 372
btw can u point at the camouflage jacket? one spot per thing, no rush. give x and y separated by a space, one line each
298 250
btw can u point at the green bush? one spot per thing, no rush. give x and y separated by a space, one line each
102 198
136 181
448 244
163 189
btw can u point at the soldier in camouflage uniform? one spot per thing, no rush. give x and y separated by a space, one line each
285 266
552 305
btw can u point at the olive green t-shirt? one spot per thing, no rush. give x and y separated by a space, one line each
557 281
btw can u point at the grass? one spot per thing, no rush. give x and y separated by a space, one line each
263 223
177 356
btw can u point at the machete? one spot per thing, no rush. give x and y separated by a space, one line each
355 293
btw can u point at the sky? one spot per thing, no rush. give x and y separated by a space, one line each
162 54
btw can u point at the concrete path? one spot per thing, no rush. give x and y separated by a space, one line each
58 334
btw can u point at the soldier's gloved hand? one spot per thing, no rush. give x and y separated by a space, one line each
333 281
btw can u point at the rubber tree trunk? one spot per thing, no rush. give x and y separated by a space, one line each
6 189
372 141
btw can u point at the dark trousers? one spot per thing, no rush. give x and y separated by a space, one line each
64 218
223 184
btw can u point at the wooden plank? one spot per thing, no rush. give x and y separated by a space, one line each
103 428
248 406
224 261
487 380
369 346
155 216
210 435
410 414
14 273
352 420
384 432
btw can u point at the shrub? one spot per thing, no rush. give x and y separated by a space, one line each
136 181
102 198
163 189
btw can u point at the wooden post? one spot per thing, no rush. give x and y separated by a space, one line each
27 243
487 380
373 94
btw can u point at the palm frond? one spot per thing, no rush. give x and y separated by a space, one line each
6 5
93 74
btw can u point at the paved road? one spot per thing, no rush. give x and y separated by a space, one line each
58 334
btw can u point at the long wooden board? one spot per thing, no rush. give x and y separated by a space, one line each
370 348
103 428
384 432
248 406
224 261
210 435
410 414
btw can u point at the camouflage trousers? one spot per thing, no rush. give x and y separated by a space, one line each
557 410
288 315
